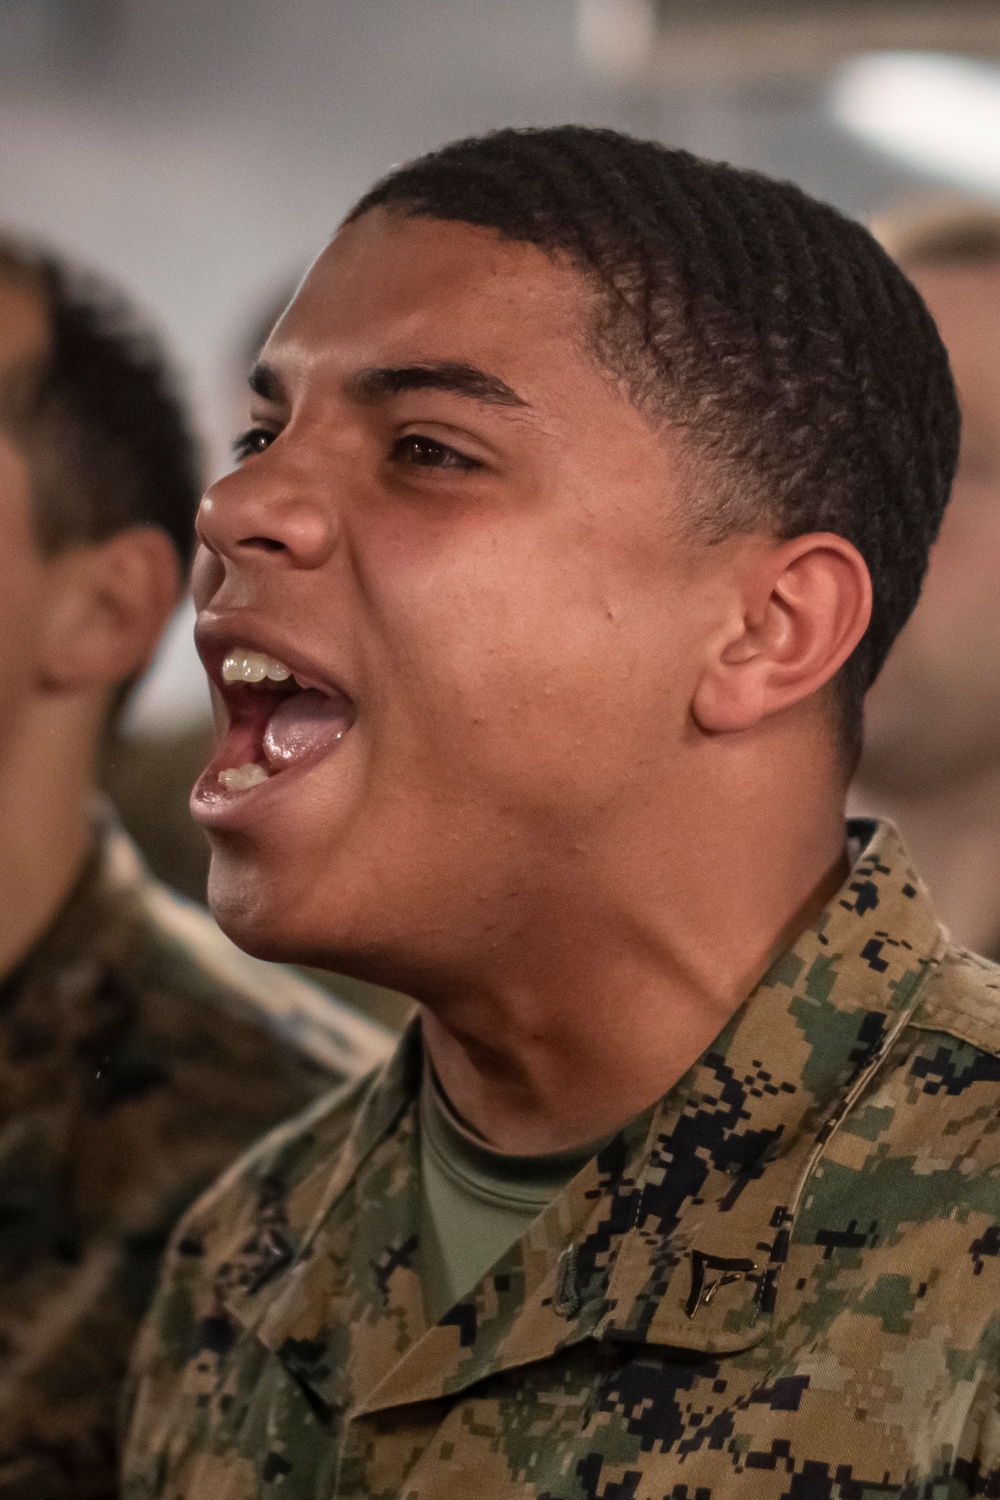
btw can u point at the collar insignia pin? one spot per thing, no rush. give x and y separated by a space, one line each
704 1287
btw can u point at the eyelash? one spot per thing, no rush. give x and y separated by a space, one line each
435 455
245 446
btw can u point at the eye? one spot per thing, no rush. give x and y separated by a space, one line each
249 443
427 453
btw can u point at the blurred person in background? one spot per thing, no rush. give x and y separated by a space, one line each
586 488
932 721
140 1052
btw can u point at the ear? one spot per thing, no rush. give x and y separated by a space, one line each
802 607
107 607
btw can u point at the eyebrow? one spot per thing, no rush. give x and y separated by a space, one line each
380 382
265 382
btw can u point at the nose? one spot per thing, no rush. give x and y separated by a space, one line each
243 520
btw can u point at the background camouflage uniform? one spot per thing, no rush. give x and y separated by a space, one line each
787 1285
139 1053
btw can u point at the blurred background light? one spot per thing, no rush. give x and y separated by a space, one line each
937 113
617 37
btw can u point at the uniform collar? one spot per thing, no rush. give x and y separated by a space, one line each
674 1235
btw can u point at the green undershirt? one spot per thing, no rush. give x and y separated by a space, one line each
475 1201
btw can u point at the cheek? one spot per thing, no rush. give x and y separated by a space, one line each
539 654
541 690
22 624
21 592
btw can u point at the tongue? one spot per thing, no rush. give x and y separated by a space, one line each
306 725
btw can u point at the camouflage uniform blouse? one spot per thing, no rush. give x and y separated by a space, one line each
786 1285
140 1052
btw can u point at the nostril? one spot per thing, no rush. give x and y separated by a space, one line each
263 544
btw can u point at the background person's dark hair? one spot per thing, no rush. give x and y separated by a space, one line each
97 417
796 356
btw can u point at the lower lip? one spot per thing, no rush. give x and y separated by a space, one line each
216 808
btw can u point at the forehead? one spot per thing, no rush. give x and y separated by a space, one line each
390 288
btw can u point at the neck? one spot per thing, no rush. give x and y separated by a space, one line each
621 976
46 786
952 831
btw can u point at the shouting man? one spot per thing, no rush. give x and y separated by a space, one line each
587 487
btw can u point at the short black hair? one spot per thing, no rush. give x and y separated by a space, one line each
97 414
774 331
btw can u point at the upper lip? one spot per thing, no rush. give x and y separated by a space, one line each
216 635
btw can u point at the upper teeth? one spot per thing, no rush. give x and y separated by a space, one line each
242 665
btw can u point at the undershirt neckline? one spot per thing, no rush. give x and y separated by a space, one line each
502 1178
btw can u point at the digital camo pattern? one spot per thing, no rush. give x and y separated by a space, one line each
139 1054
787 1286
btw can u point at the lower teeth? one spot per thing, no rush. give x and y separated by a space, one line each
241 778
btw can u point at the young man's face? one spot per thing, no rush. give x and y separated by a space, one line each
465 543
23 334
933 717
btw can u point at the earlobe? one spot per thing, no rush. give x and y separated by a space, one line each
804 606
108 604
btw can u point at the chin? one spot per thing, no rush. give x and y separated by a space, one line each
258 903
270 909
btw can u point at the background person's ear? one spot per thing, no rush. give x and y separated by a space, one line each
804 606
108 605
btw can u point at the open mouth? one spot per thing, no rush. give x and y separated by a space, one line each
274 720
